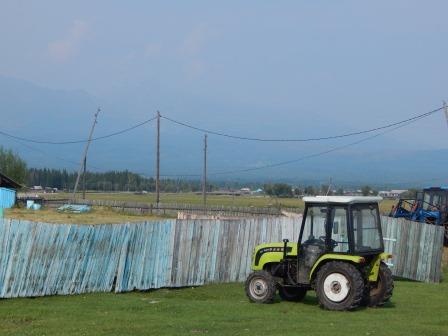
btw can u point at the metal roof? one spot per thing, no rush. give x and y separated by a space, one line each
7 182
343 199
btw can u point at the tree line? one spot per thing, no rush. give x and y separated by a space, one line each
15 167
12 165
107 181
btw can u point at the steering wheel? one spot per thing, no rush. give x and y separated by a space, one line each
333 242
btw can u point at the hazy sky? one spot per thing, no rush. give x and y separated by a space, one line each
257 68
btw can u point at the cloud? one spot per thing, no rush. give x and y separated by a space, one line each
190 50
194 41
65 49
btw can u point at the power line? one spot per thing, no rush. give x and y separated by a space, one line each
303 158
43 153
310 156
203 130
77 141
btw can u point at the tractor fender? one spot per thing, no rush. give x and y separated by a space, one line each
271 253
334 257
375 265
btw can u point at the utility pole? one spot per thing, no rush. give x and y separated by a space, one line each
158 161
84 157
84 179
204 176
329 187
445 108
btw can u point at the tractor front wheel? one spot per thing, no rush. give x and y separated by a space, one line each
339 286
292 293
381 291
260 287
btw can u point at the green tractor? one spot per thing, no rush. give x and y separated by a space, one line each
340 255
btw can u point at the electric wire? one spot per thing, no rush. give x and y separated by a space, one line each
77 141
310 156
303 158
43 153
203 130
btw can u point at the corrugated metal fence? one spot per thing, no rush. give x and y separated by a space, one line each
39 259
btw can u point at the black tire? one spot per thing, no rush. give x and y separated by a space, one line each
381 291
339 286
260 287
295 294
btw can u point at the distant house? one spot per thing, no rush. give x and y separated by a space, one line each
391 193
8 188
259 191
245 191
353 192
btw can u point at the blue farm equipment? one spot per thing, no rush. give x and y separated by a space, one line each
429 206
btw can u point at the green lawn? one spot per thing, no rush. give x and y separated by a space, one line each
415 309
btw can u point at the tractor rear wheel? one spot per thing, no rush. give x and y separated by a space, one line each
260 287
339 286
381 291
292 293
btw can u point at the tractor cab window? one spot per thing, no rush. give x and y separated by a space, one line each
339 234
314 229
366 228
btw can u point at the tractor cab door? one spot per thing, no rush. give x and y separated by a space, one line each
324 230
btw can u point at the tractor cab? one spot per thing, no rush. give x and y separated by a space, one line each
339 254
338 225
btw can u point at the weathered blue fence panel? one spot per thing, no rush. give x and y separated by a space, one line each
7 198
39 259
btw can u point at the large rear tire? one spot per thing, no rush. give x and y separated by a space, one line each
260 287
339 286
295 294
381 291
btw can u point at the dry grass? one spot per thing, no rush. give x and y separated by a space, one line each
221 200
104 215
98 215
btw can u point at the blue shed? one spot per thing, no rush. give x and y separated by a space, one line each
8 189
7 198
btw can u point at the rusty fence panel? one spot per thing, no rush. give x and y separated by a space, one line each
38 259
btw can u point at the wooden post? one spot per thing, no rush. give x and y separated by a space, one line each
84 179
204 176
158 161
445 108
86 149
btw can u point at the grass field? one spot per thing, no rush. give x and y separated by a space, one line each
192 198
98 215
105 215
415 309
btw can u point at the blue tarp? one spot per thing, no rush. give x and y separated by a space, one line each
7 198
75 208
